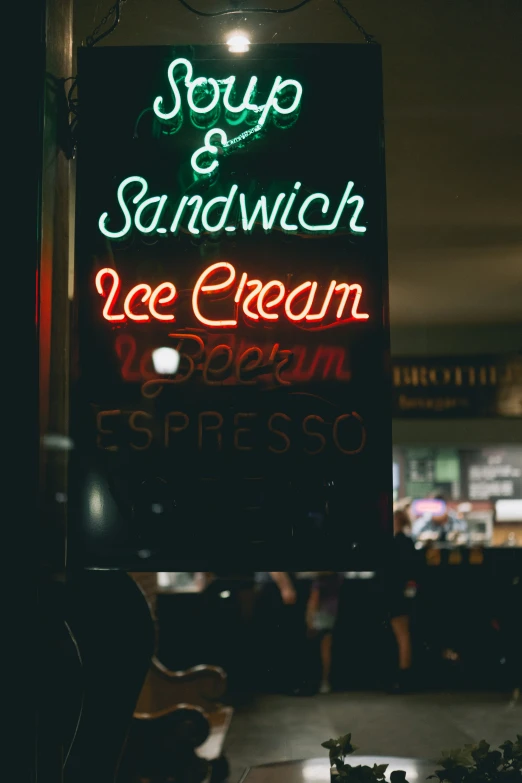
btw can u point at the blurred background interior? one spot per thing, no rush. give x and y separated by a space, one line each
235 647
464 611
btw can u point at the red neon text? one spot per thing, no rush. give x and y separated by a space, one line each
112 295
133 297
256 300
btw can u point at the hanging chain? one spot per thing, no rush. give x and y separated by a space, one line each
115 11
229 11
367 37
370 39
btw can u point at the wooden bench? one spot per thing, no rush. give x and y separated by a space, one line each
179 727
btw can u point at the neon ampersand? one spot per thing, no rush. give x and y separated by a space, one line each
236 113
209 150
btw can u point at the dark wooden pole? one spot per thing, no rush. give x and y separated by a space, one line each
56 714
57 258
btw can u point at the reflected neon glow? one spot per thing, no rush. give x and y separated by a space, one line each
252 297
272 105
320 362
204 160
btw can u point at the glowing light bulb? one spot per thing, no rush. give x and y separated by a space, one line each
165 361
238 43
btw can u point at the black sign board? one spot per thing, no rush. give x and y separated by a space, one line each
232 393
457 387
493 474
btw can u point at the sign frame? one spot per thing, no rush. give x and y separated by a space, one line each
362 504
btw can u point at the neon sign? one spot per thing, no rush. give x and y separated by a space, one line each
231 217
257 301
205 102
151 216
283 100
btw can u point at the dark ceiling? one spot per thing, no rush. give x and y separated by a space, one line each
453 111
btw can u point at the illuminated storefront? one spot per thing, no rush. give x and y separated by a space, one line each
465 461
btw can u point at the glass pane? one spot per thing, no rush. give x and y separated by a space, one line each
161 367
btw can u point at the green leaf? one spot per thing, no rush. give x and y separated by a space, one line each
360 774
517 749
331 743
507 749
452 772
460 757
481 750
345 743
379 771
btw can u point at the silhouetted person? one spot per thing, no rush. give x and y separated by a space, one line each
275 593
321 617
402 572
438 527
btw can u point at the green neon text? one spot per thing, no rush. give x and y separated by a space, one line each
283 101
230 212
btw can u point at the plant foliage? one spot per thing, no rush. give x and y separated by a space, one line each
341 747
480 764
470 764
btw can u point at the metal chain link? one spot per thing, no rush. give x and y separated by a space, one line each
367 36
114 10
229 11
